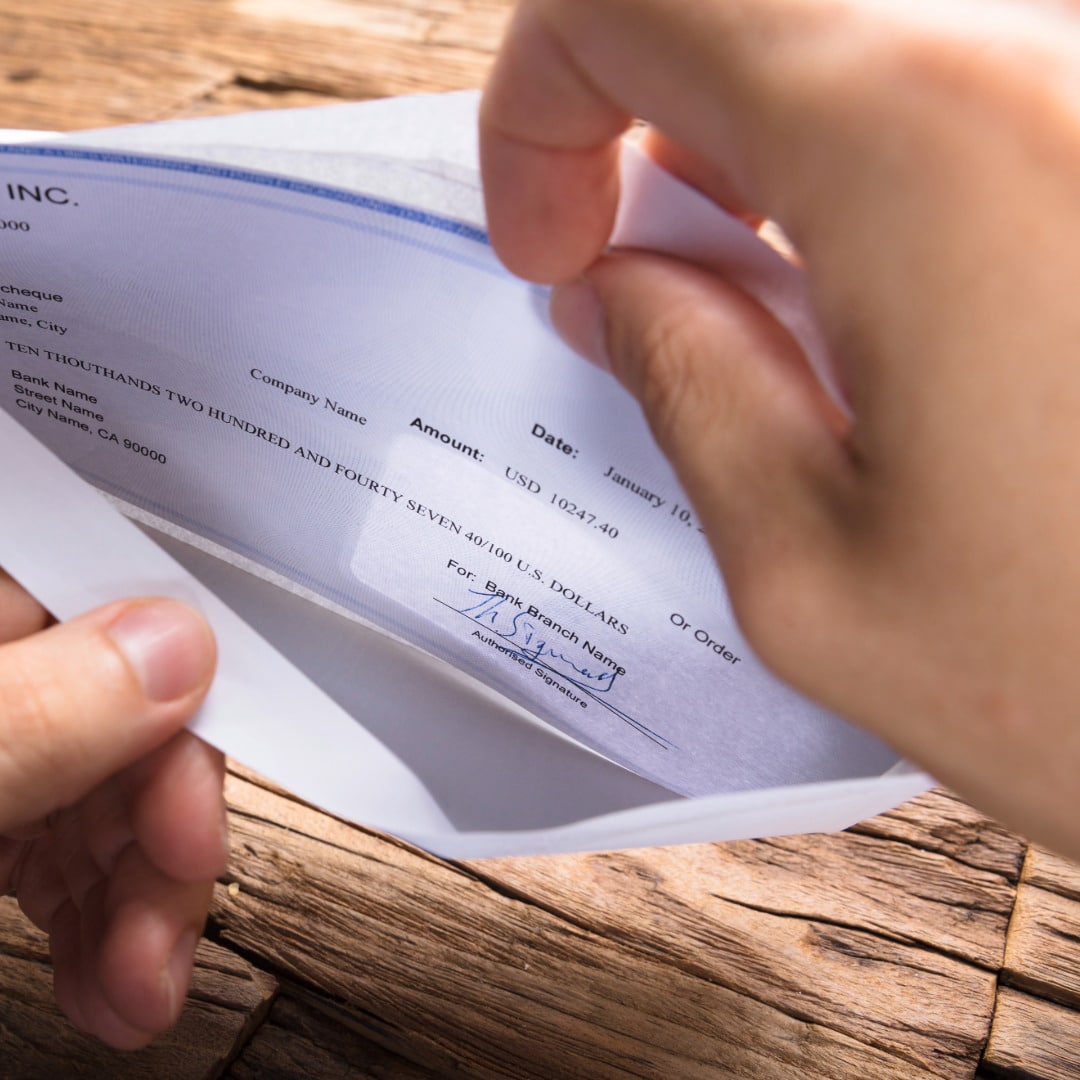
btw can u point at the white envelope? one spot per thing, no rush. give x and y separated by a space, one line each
321 699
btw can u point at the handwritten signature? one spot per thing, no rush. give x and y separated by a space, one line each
518 630
523 639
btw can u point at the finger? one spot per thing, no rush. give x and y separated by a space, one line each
65 952
74 861
148 947
71 855
805 109
178 809
104 819
102 1020
698 172
84 699
547 147
10 852
74 940
753 438
20 613
39 885
89 836
712 77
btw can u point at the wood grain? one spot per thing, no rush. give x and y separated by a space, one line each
592 966
306 1036
942 822
1047 870
1035 1031
1042 954
1043 951
1033 1038
68 66
871 954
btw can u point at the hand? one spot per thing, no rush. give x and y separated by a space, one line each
915 569
112 821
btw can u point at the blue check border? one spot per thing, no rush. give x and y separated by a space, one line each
262 179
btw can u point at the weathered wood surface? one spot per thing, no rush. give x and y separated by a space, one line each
1032 1037
608 965
1043 952
70 65
878 953
1036 1026
306 1035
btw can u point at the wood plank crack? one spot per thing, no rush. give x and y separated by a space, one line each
273 85
560 948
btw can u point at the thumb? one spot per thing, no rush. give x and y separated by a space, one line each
86 698
756 442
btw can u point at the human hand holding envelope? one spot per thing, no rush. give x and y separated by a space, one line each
476 608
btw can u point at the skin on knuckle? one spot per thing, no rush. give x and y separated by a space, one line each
29 704
904 93
566 16
33 735
47 704
662 362
964 76
783 605
765 595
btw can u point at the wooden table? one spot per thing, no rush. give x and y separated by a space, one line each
927 942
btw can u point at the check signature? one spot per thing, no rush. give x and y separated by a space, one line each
526 636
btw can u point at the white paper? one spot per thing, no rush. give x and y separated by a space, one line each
403 566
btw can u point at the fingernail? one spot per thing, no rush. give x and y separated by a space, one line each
168 646
578 318
177 972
